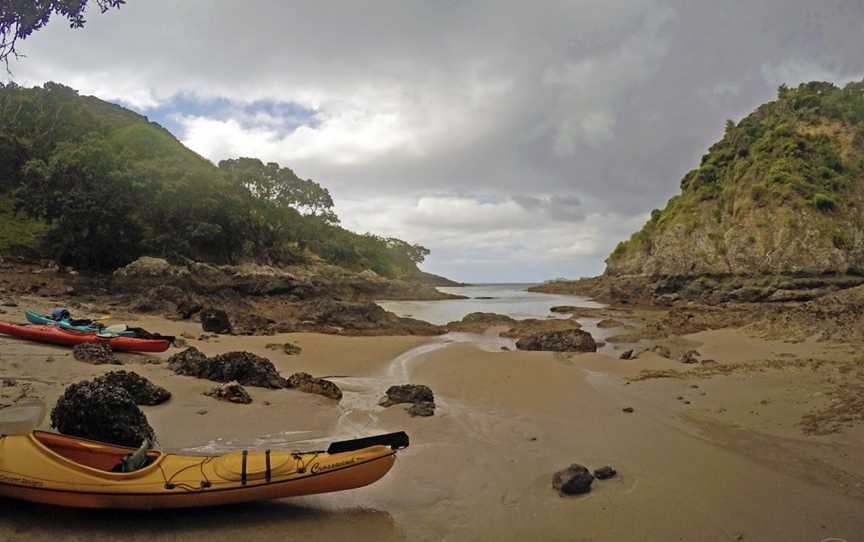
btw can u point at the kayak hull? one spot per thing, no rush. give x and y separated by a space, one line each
32 471
56 335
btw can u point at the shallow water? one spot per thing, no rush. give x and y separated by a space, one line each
512 300
359 410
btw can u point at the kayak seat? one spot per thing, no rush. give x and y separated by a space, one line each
95 455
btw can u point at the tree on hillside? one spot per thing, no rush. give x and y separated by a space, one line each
414 253
20 18
12 156
280 186
89 196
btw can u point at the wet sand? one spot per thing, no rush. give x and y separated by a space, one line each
732 464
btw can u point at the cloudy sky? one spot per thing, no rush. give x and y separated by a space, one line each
518 140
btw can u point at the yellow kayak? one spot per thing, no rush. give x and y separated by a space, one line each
69 471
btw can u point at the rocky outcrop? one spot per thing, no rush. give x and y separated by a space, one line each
187 361
571 340
142 391
231 392
100 411
836 317
294 282
244 367
252 299
357 318
421 398
478 322
532 326
95 354
169 300
254 324
574 480
689 319
407 393
310 384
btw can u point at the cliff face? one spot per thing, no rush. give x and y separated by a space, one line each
781 193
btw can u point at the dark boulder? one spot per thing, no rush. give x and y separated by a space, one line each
574 480
421 398
186 362
569 340
231 392
215 321
94 353
407 393
100 411
604 473
310 384
627 354
244 367
143 391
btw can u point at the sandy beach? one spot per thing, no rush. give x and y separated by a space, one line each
708 453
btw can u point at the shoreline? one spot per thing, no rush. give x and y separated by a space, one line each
506 420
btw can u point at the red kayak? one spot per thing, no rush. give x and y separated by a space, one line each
57 335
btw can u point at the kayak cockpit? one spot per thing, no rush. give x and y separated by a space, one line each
86 453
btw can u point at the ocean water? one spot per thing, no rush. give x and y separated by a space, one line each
512 300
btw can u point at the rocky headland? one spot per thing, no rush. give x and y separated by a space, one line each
768 230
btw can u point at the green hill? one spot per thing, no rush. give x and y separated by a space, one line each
781 193
94 185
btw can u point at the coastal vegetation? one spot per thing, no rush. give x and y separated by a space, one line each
95 186
781 192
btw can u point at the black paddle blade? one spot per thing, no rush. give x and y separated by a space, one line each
396 441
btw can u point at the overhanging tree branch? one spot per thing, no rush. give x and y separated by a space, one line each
20 18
